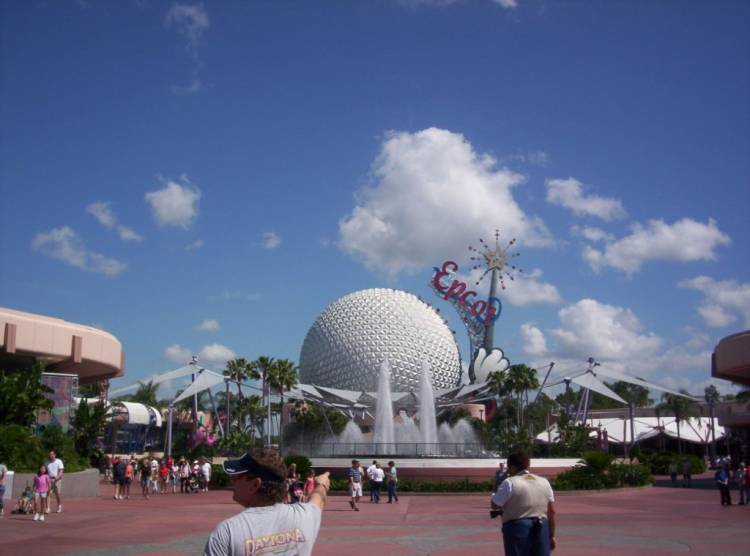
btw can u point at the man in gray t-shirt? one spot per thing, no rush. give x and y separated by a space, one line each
267 526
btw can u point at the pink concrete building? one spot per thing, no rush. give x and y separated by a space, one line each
88 352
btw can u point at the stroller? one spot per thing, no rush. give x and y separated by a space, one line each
25 504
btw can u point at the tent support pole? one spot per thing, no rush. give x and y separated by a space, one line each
170 414
213 406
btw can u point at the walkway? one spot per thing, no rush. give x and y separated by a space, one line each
663 521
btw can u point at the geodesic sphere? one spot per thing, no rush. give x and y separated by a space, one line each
354 335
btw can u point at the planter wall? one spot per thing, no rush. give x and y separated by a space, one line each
84 484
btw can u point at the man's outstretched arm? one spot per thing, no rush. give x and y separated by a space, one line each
320 493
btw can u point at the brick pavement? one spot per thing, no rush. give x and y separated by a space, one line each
663 521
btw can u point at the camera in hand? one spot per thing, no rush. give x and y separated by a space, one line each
495 513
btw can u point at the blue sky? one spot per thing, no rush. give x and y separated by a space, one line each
247 163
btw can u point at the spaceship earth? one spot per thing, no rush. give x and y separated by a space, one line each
346 345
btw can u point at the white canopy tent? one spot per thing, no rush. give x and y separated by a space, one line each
696 429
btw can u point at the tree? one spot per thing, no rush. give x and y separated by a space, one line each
88 425
631 393
262 366
22 395
146 394
681 407
519 380
283 377
240 370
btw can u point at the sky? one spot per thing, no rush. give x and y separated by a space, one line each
205 178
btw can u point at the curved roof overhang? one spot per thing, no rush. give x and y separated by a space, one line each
88 352
731 358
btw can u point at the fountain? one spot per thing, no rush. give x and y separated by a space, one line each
406 436
427 420
384 431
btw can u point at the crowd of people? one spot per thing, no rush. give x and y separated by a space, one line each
157 476
376 476
726 473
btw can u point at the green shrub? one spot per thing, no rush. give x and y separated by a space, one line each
219 477
24 452
303 463
598 462
658 462
53 438
408 485
615 475
632 475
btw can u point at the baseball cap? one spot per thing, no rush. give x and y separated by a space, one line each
247 464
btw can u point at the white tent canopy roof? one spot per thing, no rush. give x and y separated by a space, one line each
188 369
589 381
696 429
206 379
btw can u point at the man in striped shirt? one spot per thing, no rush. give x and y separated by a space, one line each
355 484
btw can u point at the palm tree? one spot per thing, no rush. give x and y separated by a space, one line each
146 394
519 380
282 377
682 407
239 370
252 408
262 366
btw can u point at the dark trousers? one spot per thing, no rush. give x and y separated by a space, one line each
376 485
526 537
184 485
392 491
726 498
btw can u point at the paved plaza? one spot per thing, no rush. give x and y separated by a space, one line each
658 520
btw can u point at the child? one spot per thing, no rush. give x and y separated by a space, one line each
41 489
25 503
164 476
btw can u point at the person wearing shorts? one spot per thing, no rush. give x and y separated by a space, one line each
355 484
55 469
145 475
41 493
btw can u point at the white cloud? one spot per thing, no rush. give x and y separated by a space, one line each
208 325
128 234
697 386
65 245
175 204
589 328
270 240
197 244
506 3
215 353
569 194
615 338
191 21
107 218
237 294
526 289
103 214
178 354
430 192
534 343
534 158
684 241
591 233
724 301
194 86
